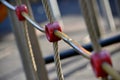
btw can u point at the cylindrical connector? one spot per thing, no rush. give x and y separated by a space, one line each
49 30
19 10
97 60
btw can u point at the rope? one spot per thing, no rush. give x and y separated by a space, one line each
91 30
89 23
57 61
29 44
55 44
67 39
111 71
28 40
48 11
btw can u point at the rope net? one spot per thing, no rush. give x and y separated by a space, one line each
74 44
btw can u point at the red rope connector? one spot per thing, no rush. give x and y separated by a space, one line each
49 29
97 59
19 10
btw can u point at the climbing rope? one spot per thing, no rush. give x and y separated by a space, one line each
28 42
97 47
55 44
89 23
67 39
57 61
91 30
111 71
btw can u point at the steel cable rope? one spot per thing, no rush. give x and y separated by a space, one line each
30 47
90 23
29 44
64 37
39 61
93 37
55 44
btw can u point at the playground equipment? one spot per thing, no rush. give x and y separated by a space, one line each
100 59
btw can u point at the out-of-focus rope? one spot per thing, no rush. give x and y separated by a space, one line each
90 28
29 43
48 11
111 71
93 36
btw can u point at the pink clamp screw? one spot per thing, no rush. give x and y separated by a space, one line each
97 59
19 10
49 29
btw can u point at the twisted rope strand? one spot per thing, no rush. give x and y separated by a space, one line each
91 30
55 44
57 61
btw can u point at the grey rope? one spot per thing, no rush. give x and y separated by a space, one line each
48 12
55 44
29 43
57 61
91 30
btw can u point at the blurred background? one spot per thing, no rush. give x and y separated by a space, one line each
74 26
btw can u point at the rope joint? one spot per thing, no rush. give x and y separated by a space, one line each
50 28
97 59
19 10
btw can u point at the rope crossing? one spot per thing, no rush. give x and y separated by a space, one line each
91 30
55 44
59 34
